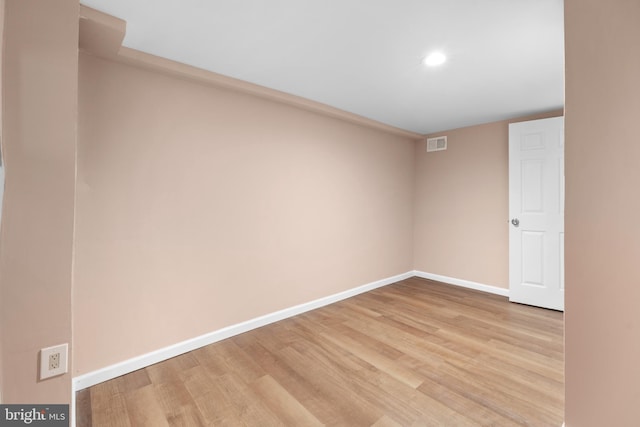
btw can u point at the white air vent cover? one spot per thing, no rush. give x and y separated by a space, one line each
438 143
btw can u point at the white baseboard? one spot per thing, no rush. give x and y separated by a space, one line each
72 407
142 361
148 359
463 283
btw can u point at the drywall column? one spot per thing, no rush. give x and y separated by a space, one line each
1 57
602 212
40 80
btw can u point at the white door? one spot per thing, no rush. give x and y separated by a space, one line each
536 213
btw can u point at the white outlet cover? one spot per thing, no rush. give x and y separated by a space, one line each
45 353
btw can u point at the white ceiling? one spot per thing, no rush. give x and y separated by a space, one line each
505 57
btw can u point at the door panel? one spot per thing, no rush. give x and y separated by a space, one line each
532 185
532 258
536 201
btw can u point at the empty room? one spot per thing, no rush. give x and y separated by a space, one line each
319 213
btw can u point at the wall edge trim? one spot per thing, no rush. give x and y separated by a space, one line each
109 372
147 61
463 283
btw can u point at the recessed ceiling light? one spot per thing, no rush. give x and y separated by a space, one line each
434 59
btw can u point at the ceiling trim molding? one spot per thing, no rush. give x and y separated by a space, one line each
102 35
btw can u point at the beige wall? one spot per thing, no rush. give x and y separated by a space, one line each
39 141
1 59
200 207
602 211
462 204
177 210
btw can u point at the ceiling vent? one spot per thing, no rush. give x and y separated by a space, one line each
438 143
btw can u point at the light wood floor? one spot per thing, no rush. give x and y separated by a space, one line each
414 353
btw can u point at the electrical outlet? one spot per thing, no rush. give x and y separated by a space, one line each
53 361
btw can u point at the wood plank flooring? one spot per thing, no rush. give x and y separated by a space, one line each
415 353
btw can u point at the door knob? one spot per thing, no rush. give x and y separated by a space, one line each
515 222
